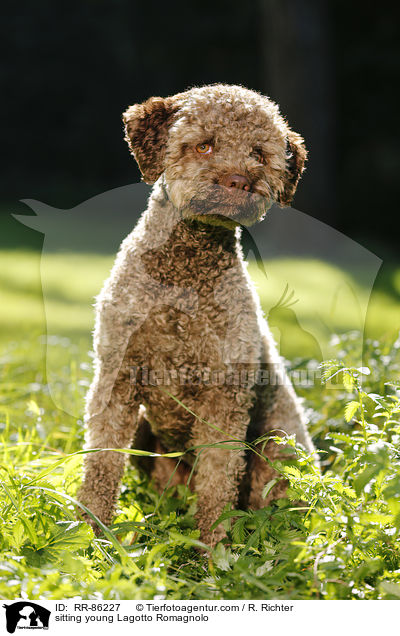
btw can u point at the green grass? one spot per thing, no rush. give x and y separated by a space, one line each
342 544
63 284
60 289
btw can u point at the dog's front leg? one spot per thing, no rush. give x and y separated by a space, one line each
112 427
278 411
217 480
220 465
282 408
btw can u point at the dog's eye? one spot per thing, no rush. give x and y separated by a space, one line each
258 155
204 149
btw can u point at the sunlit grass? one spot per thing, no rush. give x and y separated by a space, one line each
46 302
351 512
54 294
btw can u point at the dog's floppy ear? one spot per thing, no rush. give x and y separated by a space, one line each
296 156
146 131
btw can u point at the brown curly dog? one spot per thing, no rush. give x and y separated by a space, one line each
179 317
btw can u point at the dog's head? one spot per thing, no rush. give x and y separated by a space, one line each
225 152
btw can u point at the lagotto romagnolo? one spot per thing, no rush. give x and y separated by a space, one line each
179 307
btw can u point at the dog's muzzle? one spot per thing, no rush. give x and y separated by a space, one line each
240 206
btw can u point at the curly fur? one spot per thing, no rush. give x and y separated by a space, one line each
179 300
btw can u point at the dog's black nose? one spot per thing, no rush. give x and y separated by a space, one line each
235 181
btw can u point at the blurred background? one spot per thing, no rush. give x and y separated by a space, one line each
71 68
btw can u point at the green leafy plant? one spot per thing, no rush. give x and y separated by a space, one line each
335 536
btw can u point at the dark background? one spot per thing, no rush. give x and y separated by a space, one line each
71 68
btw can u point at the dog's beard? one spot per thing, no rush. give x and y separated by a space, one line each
224 206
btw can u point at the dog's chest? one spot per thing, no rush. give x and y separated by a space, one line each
190 356
208 326
192 319
192 258
205 310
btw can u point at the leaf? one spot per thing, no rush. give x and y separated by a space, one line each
340 437
365 477
66 537
67 458
348 381
264 568
10 495
184 539
293 471
71 466
254 539
367 568
30 530
238 533
350 410
268 487
221 558
18 534
393 487
349 492
228 515
110 536
36 558
391 589
71 564
376 517
70 536
33 407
